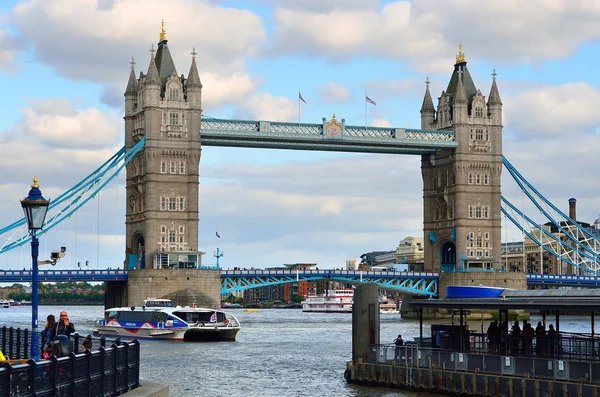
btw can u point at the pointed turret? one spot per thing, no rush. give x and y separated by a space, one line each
163 59
152 78
494 103
460 96
494 98
460 103
132 83
467 80
193 79
427 109
193 86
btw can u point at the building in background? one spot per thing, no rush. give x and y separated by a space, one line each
410 252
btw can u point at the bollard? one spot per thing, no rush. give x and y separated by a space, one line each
102 341
76 343
26 336
11 342
19 343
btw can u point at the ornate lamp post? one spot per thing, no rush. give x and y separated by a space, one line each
35 207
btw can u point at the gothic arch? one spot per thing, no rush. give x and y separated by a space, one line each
447 255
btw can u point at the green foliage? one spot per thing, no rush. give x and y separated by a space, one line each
69 292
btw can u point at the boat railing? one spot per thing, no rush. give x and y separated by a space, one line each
112 370
575 358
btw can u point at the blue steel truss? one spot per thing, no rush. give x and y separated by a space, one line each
337 137
410 282
563 280
65 205
24 276
575 244
231 281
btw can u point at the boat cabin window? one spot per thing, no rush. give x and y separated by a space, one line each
137 317
158 303
199 317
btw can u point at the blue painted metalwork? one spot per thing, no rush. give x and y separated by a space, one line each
568 251
579 235
24 276
61 208
410 282
563 280
329 136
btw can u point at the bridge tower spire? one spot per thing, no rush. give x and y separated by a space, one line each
461 187
162 179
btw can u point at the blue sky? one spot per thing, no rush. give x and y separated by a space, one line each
64 66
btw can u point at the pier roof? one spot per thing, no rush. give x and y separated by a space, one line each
564 300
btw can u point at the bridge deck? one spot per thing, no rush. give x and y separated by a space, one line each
326 136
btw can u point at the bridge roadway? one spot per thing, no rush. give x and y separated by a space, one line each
418 283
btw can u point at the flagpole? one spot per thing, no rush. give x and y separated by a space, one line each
365 111
298 108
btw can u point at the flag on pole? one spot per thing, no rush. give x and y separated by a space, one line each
372 102
213 318
300 97
217 233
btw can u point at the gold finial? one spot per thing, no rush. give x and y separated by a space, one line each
163 33
333 119
461 56
132 63
35 185
427 82
194 53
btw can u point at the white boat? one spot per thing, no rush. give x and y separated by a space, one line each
159 319
334 301
4 303
388 306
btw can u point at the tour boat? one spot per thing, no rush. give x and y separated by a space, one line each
4 303
159 319
334 301
388 306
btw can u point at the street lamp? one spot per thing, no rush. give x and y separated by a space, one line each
35 207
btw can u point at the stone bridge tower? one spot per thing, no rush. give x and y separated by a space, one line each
461 187
162 179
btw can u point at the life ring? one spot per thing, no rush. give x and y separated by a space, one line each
226 322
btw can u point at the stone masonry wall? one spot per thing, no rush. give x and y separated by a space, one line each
163 283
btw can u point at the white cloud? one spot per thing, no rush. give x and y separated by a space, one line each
56 123
334 93
62 144
553 111
426 31
101 40
381 122
264 106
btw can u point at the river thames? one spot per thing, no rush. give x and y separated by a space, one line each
278 352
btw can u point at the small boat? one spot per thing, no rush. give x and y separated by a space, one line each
333 301
13 302
388 306
159 319
4 303
250 310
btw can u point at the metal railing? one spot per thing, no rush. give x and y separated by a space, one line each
104 372
575 359
15 342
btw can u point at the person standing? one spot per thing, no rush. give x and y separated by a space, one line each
64 326
49 332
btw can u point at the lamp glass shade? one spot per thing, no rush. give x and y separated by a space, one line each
35 213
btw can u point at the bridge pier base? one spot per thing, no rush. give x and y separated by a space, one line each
511 280
185 287
365 321
115 294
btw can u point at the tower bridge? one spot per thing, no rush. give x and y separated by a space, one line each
459 142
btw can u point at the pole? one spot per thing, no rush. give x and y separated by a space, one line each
365 111
35 342
298 107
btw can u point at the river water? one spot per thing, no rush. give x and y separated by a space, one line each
278 352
